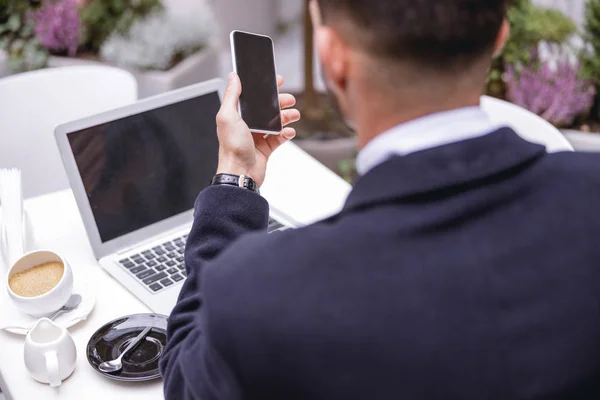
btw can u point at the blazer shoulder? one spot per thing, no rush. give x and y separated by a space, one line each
575 162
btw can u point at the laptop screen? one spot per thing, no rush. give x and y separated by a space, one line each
148 167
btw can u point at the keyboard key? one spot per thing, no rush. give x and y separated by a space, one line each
156 287
171 255
150 256
170 263
157 248
169 247
127 264
180 252
160 252
160 268
144 274
166 282
146 253
161 259
138 260
185 236
177 277
151 263
181 267
155 278
123 261
184 272
173 271
179 242
138 269
273 226
180 259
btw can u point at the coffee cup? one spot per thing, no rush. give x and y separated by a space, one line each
37 288
50 353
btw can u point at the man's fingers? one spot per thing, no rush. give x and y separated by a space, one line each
290 116
280 81
286 101
274 141
232 93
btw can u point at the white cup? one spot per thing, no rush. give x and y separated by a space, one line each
50 353
50 301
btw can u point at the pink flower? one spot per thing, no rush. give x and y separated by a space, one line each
57 25
556 94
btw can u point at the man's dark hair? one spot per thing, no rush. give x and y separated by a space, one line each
437 34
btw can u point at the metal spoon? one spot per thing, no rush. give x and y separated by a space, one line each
116 365
72 304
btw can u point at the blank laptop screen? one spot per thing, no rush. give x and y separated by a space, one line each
148 167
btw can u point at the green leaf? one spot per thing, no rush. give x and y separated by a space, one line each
14 22
495 75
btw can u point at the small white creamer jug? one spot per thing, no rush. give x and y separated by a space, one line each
50 353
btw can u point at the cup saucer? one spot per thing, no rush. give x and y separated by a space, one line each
141 364
14 321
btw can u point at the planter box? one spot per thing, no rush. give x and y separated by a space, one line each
583 141
198 67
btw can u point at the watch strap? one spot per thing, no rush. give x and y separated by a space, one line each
241 181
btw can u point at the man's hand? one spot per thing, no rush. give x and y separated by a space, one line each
244 153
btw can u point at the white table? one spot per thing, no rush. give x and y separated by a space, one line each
296 183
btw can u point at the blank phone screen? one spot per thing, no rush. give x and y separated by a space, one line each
255 64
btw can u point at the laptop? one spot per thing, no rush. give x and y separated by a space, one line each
135 173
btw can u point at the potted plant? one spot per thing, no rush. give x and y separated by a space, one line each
551 88
165 48
168 49
321 131
530 25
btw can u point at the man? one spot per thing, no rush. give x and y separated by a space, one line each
464 264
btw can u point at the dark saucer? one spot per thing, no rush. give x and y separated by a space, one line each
141 364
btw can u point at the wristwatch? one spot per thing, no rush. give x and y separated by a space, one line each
241 181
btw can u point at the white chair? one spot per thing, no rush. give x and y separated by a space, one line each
528 125
32 104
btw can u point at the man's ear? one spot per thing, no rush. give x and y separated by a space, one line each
315 13
333 54
503 36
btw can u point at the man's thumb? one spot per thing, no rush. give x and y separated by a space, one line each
233 91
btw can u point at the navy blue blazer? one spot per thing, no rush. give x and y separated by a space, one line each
467 271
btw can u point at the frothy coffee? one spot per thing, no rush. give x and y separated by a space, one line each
37 280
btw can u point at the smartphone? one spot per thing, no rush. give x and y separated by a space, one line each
254 62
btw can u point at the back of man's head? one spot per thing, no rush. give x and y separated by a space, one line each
441 35
390 61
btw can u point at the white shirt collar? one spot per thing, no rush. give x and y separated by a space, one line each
431 131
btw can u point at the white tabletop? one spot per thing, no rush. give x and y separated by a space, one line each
296 183
58 227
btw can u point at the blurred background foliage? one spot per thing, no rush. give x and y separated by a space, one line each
530 25
100 18
17 35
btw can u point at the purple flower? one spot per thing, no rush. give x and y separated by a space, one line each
57 25
554 92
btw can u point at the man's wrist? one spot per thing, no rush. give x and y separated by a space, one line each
240 181
233 169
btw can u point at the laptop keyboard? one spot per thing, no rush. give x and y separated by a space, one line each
159 267
162 266
275 226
